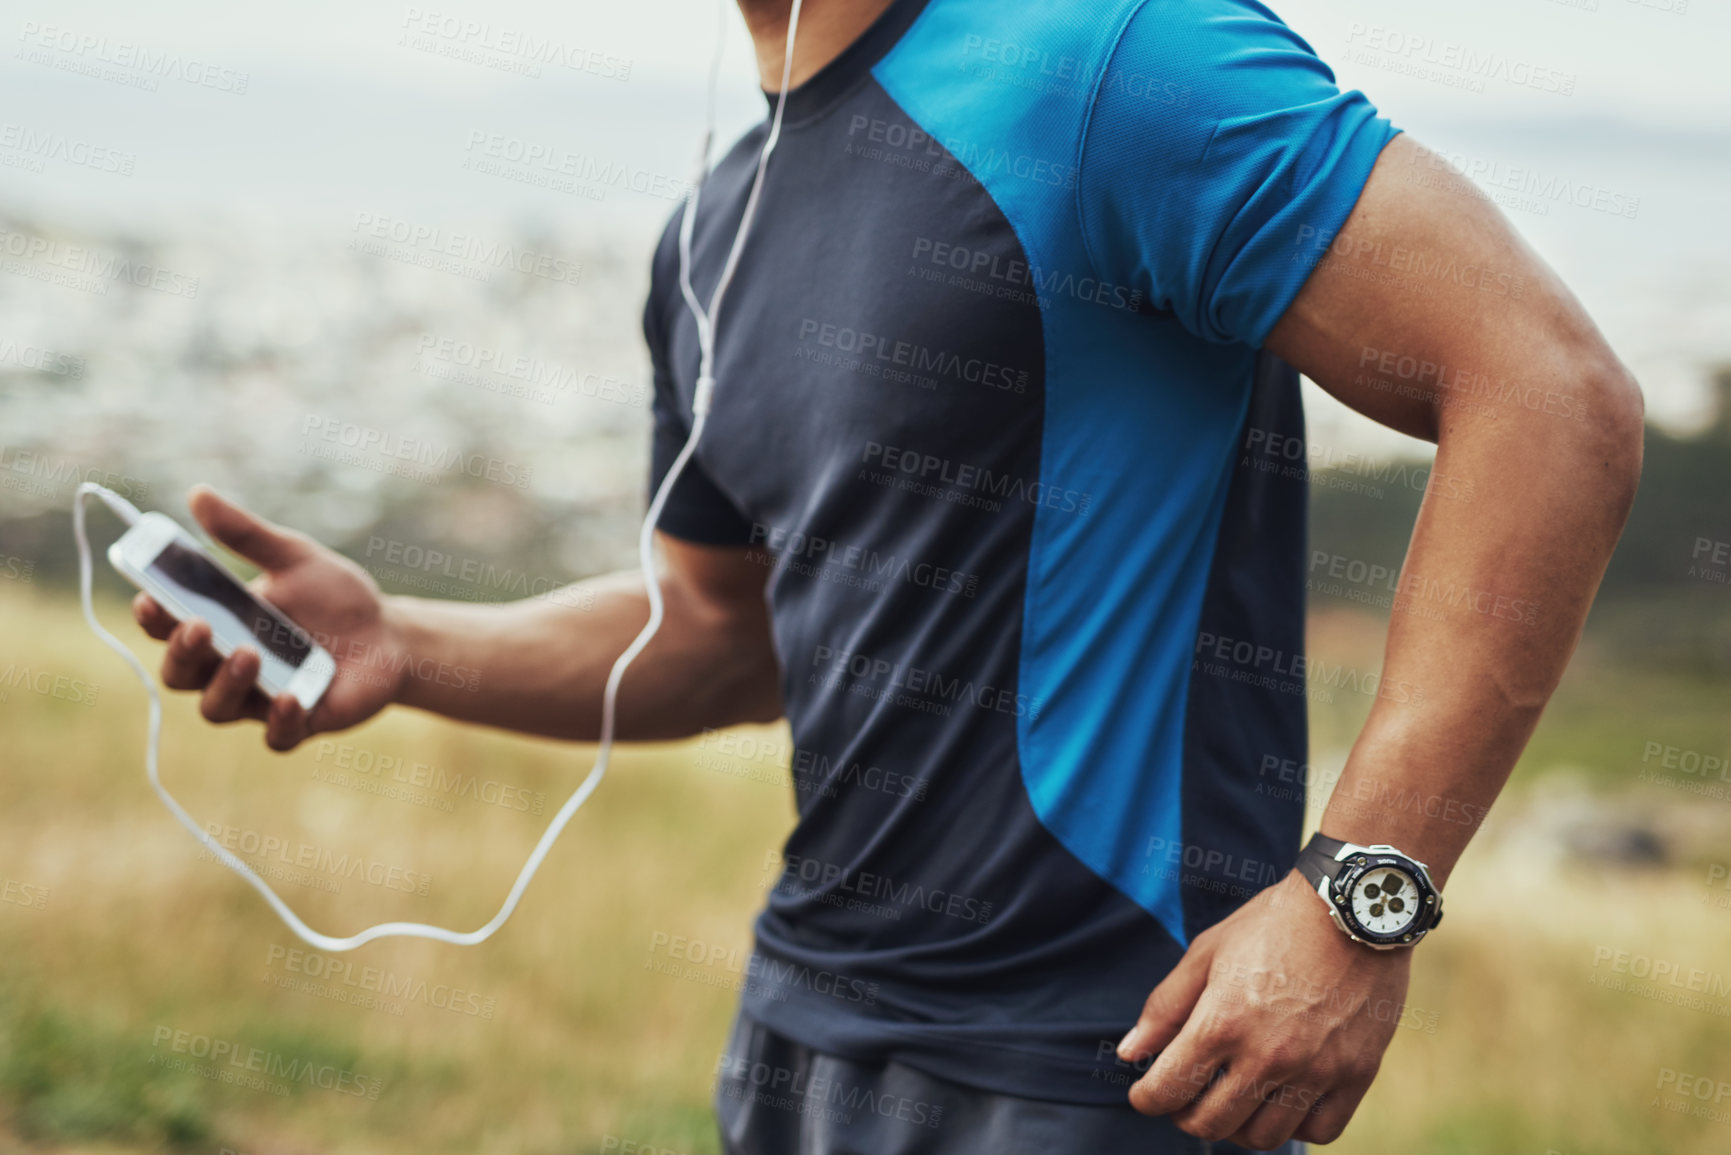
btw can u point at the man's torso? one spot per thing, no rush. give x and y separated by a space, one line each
1039 613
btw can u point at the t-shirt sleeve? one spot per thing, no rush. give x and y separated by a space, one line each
1218 154
696 511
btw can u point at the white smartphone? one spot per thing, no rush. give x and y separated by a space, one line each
169 564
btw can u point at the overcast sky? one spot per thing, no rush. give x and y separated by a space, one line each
340 117
336 108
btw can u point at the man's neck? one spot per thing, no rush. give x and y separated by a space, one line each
826 28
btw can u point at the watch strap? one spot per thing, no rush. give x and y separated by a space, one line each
1318 860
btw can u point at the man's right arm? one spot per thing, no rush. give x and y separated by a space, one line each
537 666
540 666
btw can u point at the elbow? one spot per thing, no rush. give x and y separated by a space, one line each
1615 419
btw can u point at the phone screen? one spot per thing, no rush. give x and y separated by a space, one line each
210 592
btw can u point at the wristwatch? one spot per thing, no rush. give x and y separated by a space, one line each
1376 895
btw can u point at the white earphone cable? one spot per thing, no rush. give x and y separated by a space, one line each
701 403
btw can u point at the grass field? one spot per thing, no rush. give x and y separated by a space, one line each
130 970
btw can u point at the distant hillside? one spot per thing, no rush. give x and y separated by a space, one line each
1665 599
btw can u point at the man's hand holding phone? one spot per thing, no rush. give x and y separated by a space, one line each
328 595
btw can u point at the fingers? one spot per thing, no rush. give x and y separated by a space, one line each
230 685
1182 1073
1258 1100
1328 1119
1312 1101
267 546
286 725
1205 1076
1225 1106
192 663
191 659
1282 1111
156 621
1170 1004
230 694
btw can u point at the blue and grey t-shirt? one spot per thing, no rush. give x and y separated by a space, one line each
986 377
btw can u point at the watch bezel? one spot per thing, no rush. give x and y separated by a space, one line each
1360 863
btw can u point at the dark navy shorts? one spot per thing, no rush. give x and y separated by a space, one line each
777 1097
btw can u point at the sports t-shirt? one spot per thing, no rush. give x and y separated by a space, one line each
988 374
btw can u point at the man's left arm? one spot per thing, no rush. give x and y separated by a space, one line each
1427 313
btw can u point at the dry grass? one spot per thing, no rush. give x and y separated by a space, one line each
584 1040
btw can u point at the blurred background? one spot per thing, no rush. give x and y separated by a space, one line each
225 256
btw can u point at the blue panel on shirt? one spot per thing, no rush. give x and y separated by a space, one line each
1214 134
988 372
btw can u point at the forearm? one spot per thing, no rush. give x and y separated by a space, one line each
540 666
1501 571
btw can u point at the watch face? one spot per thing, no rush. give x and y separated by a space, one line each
1386 901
